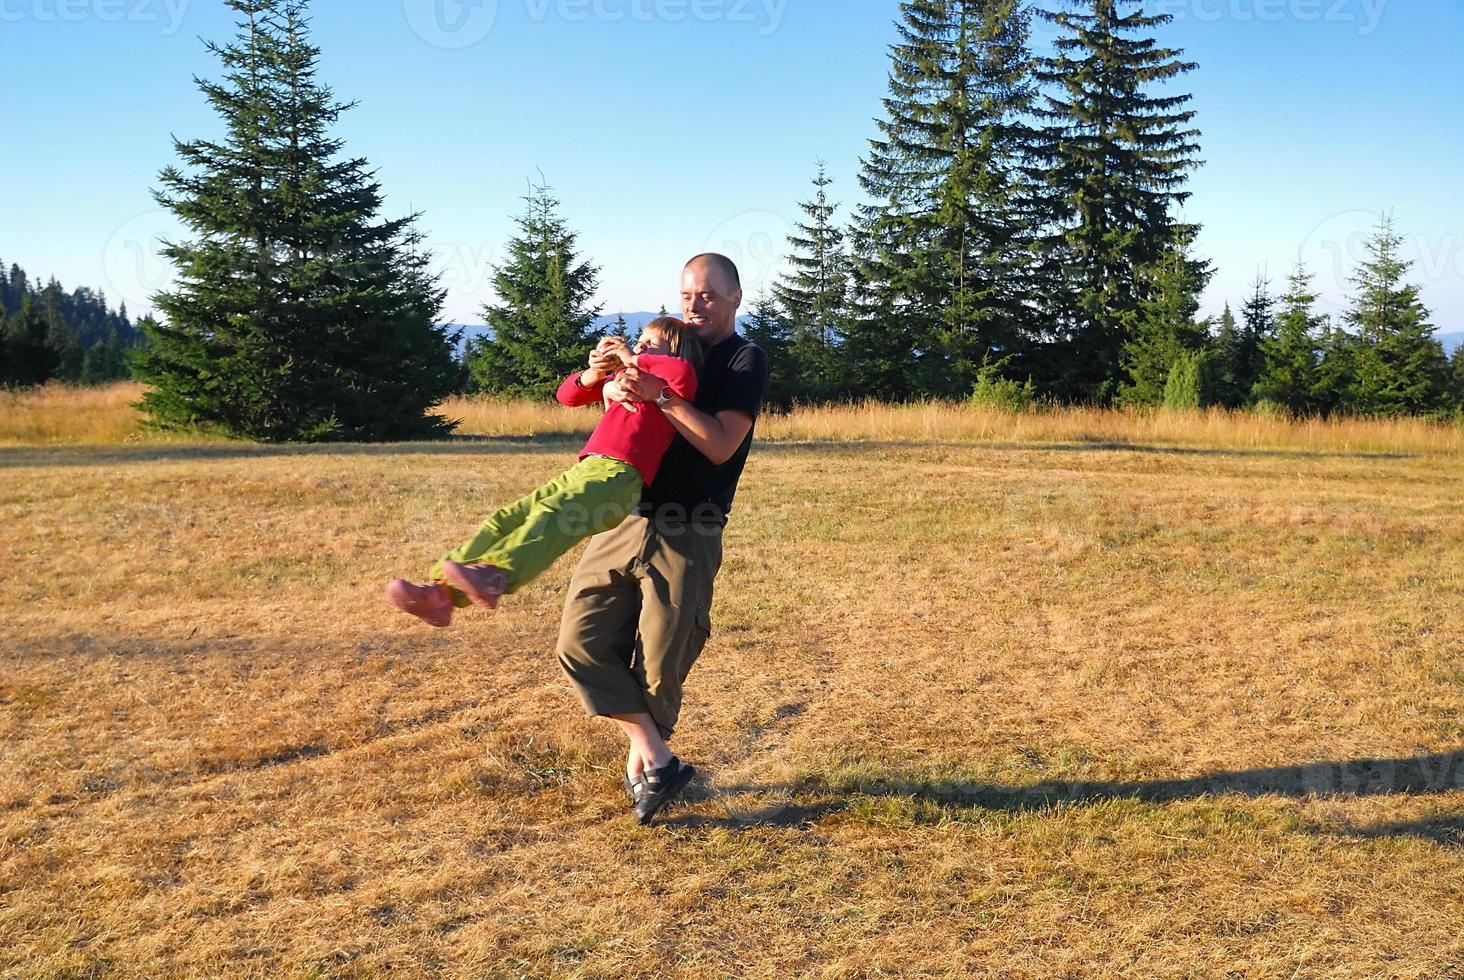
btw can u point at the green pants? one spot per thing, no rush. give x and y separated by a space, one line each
524 538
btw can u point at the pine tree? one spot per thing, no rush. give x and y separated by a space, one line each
1337 371
812 296
30 358
298 314
1113 159
62 332
620 328
766 326
940 252
1259 316
18 287
542 324
1291 355
1400 368
1456 373
1165 330
1189 384
1224 361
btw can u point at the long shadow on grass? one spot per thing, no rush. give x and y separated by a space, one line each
17 457
1094 446
1417 775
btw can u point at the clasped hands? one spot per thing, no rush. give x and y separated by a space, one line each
632 384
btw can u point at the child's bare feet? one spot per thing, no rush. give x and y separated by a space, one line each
483 584
430 603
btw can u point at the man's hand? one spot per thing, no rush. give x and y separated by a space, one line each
617 391
643 384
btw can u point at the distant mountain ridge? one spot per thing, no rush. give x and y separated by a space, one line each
600 325
634 321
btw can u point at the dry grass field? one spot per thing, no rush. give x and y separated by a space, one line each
1067 694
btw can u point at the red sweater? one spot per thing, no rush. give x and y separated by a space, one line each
639 438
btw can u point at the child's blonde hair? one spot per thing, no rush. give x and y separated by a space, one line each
680 338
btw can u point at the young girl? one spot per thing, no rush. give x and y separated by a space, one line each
523 539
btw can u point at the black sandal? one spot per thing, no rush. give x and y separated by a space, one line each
661 787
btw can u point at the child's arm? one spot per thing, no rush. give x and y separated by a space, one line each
678 374
582 388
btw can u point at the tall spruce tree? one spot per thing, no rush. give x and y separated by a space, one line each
298 313
1165 332
766 326
27 354
1224 360
1259 316
1400 368
1113 154
812 296
9 298
1290 373
542 324
940 253
1337 371
1456 374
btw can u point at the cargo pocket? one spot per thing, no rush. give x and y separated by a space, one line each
701 631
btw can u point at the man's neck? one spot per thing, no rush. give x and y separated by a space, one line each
714 341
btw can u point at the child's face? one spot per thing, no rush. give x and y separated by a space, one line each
651 342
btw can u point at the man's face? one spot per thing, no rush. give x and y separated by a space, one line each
708 302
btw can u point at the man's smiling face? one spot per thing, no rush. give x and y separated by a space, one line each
709 301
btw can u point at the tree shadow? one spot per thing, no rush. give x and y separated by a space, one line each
1082 446
17 457
812 799
1441 829
123 454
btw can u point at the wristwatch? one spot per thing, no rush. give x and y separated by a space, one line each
665 396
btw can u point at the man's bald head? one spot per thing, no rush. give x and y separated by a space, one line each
711 291
722 267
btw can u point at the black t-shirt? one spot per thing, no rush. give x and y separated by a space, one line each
688 485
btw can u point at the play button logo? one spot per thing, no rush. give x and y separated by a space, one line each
451 23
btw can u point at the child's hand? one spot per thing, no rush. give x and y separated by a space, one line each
615 394
617 348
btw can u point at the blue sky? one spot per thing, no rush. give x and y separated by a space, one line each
667 127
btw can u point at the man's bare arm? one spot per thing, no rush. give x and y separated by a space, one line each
717 437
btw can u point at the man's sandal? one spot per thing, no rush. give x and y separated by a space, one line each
662 786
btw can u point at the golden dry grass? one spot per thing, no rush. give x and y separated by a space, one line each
1018 710
57 414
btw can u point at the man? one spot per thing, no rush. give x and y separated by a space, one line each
639 605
